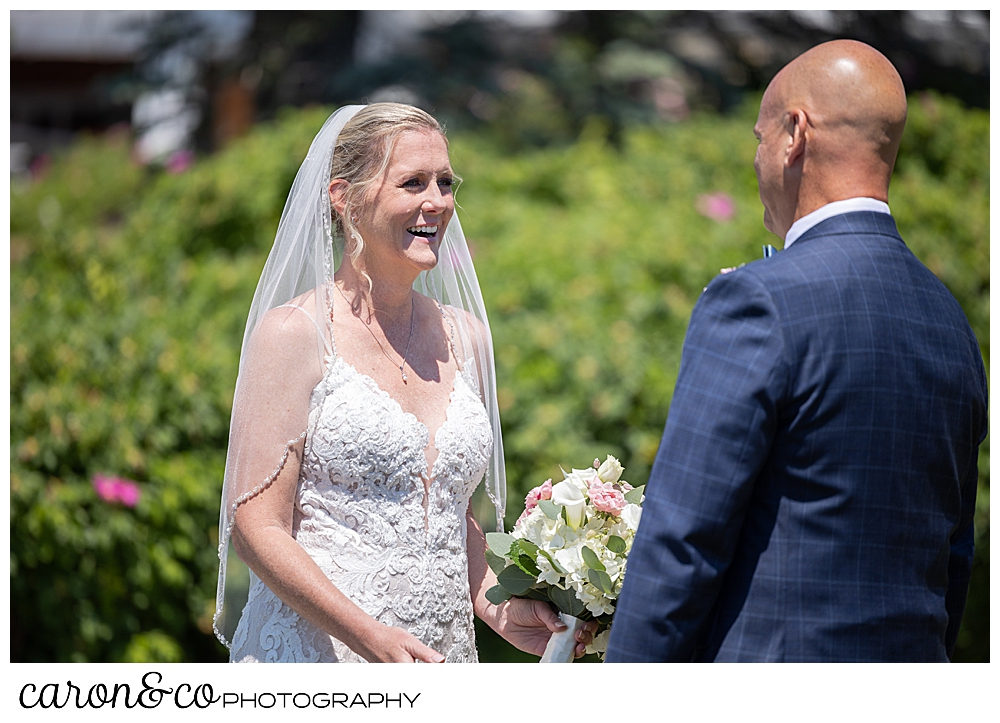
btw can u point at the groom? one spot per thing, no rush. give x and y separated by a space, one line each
813 495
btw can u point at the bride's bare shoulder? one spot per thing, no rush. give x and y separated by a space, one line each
289 329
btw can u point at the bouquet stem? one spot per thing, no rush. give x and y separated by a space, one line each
562 644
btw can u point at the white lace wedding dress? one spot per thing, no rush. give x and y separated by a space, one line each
362 515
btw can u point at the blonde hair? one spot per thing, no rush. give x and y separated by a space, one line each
362 155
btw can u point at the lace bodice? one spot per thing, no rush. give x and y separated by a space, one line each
362 513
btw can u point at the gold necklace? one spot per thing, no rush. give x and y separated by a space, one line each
382 348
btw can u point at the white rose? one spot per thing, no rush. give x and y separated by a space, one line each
630 516
568 495
610 470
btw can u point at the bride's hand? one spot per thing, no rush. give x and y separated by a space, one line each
528 624
395 645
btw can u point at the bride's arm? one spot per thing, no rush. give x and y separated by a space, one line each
525 624
273 409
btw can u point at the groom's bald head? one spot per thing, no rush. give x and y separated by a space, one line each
830 124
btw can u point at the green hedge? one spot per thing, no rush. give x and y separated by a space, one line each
129 291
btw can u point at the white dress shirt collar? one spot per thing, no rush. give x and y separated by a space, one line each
830 210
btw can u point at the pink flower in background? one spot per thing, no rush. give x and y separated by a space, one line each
606 498
717 206
39 167
179 161
116 489
542 492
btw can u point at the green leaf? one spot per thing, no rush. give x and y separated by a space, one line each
524 547
550 508
591 559
523 553
634 495
617 545
497 595
601 580
515 580
566 601
527 564
552 561
496 563
499 542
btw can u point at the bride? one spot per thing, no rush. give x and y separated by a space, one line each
365 416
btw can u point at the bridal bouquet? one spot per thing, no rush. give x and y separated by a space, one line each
570 547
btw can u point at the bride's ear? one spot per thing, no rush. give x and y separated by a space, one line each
338 195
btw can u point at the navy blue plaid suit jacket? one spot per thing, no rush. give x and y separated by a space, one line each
813 494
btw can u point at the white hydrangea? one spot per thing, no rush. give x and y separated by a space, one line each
630 517
600 642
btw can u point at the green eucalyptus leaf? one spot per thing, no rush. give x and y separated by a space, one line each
499 542
591 559
497 595
496 563
566 601
617 545
550 508
601 580
634 495
515 580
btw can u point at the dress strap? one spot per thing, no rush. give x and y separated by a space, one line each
327 344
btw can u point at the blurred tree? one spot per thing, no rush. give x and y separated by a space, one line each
533 85
293 57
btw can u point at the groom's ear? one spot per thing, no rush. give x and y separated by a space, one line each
795 126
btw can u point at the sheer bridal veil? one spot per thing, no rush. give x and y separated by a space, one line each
299 272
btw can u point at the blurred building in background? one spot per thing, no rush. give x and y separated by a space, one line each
62 66
192 80
78 70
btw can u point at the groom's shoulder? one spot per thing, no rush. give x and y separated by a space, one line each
786 283
753 277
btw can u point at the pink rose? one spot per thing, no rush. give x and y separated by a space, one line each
606 498
179 161
542 492
116 489
716 206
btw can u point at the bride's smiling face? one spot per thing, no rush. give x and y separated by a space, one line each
404 218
